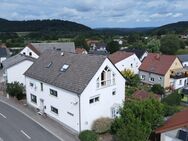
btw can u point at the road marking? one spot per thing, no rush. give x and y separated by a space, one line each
3 115
25 134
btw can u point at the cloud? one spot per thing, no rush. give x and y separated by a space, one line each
98 13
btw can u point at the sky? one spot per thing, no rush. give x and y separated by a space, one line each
99 13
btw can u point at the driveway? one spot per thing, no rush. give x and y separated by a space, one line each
14 126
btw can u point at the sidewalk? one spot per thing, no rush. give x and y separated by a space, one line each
50 125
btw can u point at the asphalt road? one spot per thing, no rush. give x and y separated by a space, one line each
14 126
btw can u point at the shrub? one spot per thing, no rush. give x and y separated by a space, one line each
15 90
158 89
88 135
170 110
172 99
102 125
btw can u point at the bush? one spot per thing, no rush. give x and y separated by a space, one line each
88 135
173 99
170 110
16 90
102 125
158 89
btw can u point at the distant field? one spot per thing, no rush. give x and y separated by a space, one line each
182 51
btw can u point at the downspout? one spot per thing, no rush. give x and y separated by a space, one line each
79 114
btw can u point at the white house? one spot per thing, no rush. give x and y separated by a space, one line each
179 78
15 66
140 53
36 49
125 60
175 128
75 89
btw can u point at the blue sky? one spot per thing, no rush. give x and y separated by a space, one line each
98 13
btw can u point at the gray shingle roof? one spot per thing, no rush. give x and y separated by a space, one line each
16 59
65 46
183 57
81 69
4 52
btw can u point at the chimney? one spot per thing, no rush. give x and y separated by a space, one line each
157 57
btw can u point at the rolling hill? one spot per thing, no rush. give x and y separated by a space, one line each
41 25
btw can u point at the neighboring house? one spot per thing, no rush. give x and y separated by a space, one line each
125 60
179 78
157 69
175 128
140 53
4 54
184 59
143 95
75 89
120 41
15 67
99 49
36 49
81 51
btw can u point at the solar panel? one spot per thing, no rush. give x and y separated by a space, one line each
183 135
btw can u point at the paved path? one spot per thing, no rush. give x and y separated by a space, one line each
17 127
50 125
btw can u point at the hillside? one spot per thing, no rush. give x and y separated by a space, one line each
123 30
179 28
41 25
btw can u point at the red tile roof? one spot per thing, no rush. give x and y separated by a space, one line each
178 120
143 95
157 63
80 50
119 55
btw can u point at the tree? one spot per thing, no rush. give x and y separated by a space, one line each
134 37
158 89
169 44
137 120
113 46
173 99
15 90
153 45
132 79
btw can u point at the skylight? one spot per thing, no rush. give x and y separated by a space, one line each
64 67
49 65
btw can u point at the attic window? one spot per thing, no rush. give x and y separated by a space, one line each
49 65
64 67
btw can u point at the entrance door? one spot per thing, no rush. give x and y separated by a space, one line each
42 106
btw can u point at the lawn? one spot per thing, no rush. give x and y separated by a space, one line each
182 51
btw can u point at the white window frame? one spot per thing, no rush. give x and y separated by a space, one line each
151 79
33 98
115 111
51 109
94 99
53 92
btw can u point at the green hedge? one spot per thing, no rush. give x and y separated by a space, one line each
88 135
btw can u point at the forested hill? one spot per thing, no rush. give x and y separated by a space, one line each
41 25
178 28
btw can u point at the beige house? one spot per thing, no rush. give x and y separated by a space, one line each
157 69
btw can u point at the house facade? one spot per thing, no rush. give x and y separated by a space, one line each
15 67
77 93
125 61
157 69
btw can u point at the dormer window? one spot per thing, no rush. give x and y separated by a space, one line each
106 78
64 67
